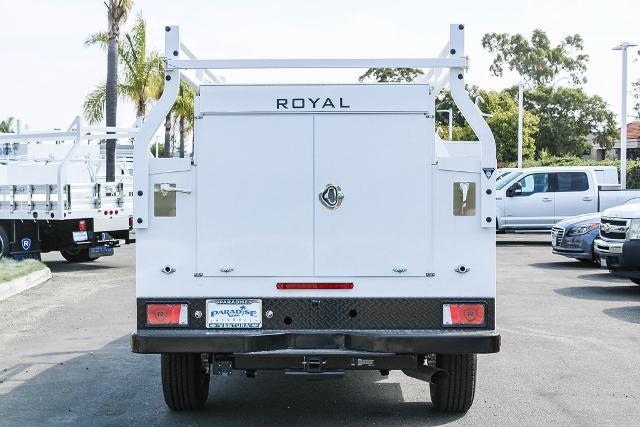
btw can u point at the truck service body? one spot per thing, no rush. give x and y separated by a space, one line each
53 196
316 229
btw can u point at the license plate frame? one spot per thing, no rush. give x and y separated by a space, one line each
234 313
80 236
98 251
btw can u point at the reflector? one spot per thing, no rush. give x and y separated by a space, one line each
314 286
463 314
167 314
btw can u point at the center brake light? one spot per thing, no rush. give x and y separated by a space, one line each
314 286
167 314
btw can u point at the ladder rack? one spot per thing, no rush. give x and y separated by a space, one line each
63 199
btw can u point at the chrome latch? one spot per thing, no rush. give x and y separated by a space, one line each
168 269
462 269
331 197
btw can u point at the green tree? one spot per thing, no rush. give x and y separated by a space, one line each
183 113
635 88
536 60
567 117
389 75
141 73
117 13
502 118
6 126
444 101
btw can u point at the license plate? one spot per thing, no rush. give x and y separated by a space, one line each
97 251
80 236
603 262
234 313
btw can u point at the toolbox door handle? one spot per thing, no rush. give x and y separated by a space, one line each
167 188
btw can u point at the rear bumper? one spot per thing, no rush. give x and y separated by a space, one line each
379 341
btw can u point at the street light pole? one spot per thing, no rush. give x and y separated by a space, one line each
623 115
450 112
520 114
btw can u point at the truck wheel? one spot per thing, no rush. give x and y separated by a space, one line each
4 243
76 255
455 394
184 383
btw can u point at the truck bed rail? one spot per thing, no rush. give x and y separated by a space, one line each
63 199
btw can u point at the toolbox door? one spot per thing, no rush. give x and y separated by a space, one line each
372 207
255 195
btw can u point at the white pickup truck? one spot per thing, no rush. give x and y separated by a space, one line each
619 244
537 198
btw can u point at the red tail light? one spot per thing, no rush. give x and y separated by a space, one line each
82 225
167 314
463 314
314 286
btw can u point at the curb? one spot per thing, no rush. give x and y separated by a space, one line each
21 284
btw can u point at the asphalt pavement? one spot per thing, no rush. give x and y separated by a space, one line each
571 341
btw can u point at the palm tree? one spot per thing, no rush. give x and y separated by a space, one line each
183 112
117 13
6 126
142 73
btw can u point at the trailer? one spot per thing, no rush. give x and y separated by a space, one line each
316 229
54 196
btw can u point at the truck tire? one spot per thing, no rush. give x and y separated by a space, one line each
184 384
4 243
76 255
455 394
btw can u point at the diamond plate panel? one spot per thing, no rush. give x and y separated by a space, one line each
339 313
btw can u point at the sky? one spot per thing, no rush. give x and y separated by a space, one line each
46 71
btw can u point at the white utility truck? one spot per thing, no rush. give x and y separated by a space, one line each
316 229
53 195
537 198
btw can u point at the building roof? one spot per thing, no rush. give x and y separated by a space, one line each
633 130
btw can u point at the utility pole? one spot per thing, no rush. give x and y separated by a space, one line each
520 114
623 115
450 112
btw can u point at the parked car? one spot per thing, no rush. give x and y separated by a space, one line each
537 198
619 243
573 237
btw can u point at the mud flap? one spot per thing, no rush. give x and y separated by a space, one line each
25 240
